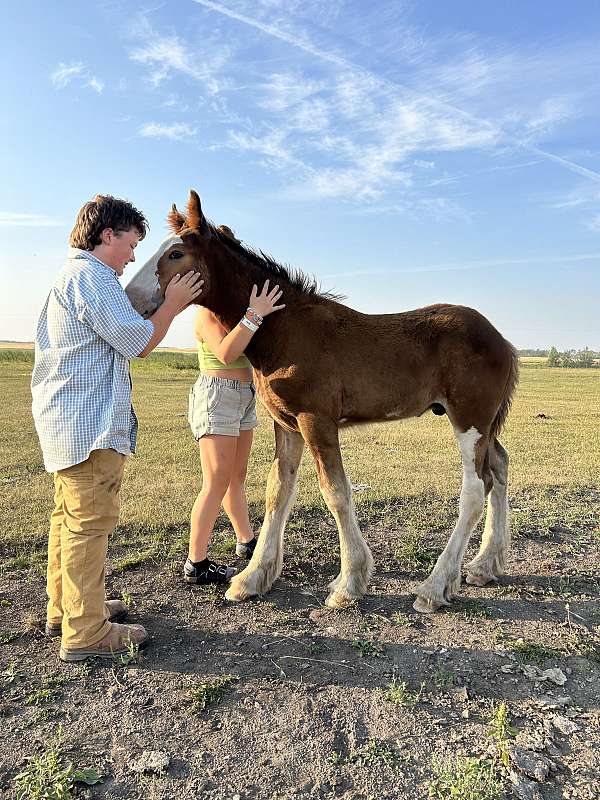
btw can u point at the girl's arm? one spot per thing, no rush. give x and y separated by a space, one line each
226 346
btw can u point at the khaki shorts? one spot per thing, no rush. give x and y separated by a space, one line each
221 406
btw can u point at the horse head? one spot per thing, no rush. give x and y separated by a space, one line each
183 251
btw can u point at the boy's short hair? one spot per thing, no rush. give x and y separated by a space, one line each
105 211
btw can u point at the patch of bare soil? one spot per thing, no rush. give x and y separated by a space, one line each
306 715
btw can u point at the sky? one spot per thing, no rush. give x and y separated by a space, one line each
404 153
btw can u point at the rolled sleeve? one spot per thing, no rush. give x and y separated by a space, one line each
110 314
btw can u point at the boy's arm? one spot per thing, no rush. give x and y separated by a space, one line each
180 292
98 300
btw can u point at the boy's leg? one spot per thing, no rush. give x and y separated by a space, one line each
54 612
91 505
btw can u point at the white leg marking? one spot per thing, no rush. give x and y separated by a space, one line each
444 581
490 561
356 560
267 562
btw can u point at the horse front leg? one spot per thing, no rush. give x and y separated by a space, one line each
267 561
356 569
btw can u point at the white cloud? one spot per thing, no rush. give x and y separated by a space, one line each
15 219
542 261
586 200
64 74
175 131
96 84
168 56
375 132
594 223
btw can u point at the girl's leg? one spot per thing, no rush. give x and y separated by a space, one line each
234 501
217 457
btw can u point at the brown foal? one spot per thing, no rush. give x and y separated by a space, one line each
320 365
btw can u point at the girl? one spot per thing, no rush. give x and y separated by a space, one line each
222 415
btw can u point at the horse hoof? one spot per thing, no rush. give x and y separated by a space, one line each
425 606
235 595
339 600
479 580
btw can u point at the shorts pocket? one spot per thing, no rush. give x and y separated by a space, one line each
204 400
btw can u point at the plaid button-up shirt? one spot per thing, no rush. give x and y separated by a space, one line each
81 388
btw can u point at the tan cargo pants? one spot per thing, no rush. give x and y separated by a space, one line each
86 510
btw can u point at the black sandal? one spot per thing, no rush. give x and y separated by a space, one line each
207 571
246 549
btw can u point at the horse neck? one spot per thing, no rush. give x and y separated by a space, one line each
229 287
232 278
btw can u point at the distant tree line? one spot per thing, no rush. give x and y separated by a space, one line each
536 353
573 358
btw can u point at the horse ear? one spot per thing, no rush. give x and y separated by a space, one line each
176 219
195 218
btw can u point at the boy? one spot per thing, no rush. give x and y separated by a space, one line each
86 335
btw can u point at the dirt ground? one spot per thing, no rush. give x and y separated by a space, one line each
306 715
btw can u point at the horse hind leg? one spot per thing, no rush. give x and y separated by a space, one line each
267 561
490 561
445 578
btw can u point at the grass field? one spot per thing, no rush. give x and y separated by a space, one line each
412 466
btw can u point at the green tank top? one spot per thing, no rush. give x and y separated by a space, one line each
208 360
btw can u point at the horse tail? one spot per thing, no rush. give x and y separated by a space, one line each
508 393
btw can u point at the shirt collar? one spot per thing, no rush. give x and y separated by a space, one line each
85 255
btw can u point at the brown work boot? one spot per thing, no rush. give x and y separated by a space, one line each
117 641
116 611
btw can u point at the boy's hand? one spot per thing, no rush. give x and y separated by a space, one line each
183 290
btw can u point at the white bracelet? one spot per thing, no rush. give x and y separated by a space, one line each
250 325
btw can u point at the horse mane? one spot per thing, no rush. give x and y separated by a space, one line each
307 285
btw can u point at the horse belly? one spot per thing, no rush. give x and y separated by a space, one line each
375 403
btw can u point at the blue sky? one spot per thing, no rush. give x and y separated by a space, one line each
411 153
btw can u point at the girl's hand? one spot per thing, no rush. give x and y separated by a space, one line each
265 302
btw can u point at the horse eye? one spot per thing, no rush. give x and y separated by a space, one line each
175 255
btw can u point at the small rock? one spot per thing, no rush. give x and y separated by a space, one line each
524 790
549 702
554 675
534 765
562 725
152 761
461 693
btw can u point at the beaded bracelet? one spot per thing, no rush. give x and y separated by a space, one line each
254 315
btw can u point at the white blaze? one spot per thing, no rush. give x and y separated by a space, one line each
142 290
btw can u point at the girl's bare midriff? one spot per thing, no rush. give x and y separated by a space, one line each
244 374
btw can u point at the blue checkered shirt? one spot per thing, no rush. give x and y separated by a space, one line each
81 388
